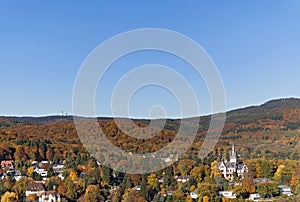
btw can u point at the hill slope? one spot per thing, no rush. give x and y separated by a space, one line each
270 130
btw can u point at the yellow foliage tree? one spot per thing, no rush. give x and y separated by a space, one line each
295 182
9 197
30 171
31 197
73 175
198 173
279 172
188 198
192 188
205 199
214 170
152 180
258 169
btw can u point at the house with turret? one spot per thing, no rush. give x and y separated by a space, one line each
232 168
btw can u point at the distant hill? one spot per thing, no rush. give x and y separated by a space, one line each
270 130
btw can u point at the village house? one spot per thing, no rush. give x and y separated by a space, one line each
258 180
285 190
41 171
34 189
232 168
254 197
58 168
182 179
194 195
49 196
227 194
7 164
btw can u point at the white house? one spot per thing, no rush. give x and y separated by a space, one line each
231 168
183 179
137 188
254 197
227 194
286 190
58 168
194 195
41 171
7 164
49 196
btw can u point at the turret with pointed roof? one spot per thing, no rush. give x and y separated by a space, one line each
233 156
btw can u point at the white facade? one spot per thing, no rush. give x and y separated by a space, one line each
227 194
58 168
50 196
194 195
35 192
254 197
286 190
41 172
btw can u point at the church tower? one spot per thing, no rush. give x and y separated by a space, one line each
233 156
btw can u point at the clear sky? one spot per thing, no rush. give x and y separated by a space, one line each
255 45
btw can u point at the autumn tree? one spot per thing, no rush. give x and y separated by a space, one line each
81 186
199 173
282 175
133 195
62 189
134 179
295 182
106 175
205 199
21 186
20 154
92 194
32 197
115 195
188 198
53 183
143 186
185 166
249 186
70 189
267 188
73 175
266 169
5 151
239 191
3 189
9 197
30 171
215 172
207 189
221 183
169 176
152 180
126 183
178 195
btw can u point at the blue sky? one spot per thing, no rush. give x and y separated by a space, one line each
255 45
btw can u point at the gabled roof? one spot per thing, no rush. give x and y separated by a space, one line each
35 187
6 162
229 164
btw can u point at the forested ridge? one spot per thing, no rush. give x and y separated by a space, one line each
272 128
